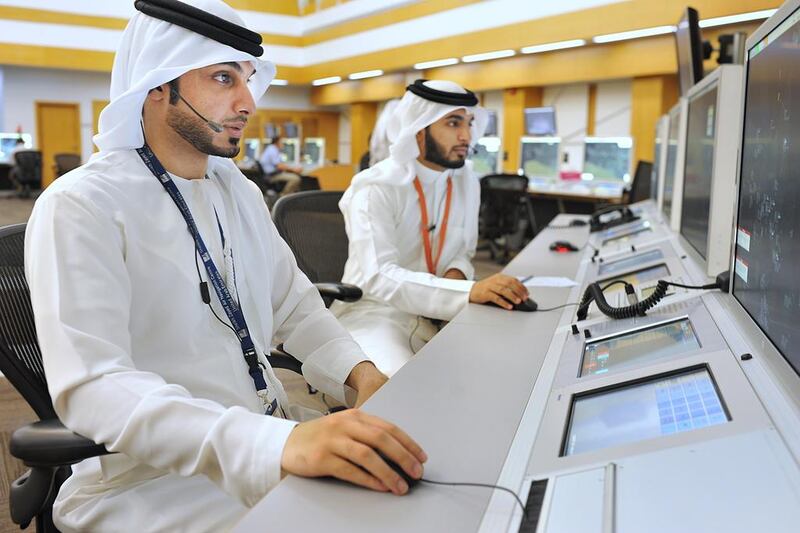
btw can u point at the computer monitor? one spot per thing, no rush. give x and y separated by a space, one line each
290 130
313 152
607 158
767 245
491 126
699 169
608 268
539 157
486 157
290 152
645 409
8 141
540 121
252 147
672 186
689 47
270 131
660 158
712 139
638 346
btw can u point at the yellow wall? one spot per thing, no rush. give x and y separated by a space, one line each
362 121
515 101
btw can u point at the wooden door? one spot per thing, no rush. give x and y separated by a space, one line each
59 131
97 108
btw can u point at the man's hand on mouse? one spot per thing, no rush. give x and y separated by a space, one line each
344 445
499 289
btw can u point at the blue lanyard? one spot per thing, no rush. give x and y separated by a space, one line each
232 309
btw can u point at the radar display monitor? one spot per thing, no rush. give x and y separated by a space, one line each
641 345
607 158
673 138
766 282
699 170
539 157
637 277
633 412
626 263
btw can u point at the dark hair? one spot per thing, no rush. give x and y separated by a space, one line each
276 139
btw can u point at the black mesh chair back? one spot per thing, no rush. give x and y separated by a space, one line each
313 226
66 162
20 356
640 187
29 168
502 196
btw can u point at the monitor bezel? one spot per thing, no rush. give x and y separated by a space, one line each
710 83
525 120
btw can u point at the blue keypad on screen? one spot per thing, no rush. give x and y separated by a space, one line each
688 402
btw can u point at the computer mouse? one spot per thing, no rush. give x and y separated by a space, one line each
577 222
563 246
410 481
525 305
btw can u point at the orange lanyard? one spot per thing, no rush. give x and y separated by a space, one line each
426 237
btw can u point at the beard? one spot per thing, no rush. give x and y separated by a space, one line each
198 134
435 153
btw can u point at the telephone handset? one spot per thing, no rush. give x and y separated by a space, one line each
608 217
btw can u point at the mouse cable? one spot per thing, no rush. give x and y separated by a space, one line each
483 485
556 307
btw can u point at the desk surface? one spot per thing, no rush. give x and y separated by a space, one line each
462 398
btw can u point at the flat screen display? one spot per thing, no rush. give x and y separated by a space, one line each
639 346
627 263
486 156
672 159
540 121
290 130
766 280
607 158
312 152
491 126
688 46
270 131
637 277
540 157
658 406
699 170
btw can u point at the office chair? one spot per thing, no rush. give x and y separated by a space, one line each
46 447
504 200
312 225
27 171
66 162
640 186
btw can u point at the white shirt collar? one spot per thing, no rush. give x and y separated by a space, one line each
428 175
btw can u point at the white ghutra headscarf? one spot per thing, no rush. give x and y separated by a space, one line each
154 51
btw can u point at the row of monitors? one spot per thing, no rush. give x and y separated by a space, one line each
312 153
605 158
763 233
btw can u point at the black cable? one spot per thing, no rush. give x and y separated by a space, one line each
556 307
197 266
617 282
484 485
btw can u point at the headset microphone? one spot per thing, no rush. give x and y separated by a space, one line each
215 126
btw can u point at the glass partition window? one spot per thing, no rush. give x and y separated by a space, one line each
313 150
486 156
540 156
699 170
766 281
629 413
607 158
640 346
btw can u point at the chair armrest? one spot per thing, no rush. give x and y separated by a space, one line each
339 291
279 359
49 443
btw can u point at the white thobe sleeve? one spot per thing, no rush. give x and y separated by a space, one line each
81 294
372 235
308 331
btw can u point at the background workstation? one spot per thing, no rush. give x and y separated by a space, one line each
567 420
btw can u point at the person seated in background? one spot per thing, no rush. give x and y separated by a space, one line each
412 223
275 170
158 282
